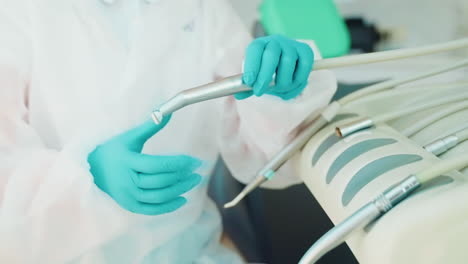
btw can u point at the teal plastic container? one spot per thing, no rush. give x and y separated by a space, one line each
317 20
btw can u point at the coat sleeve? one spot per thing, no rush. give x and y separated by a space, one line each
50 209
255 129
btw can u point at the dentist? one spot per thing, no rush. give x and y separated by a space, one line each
85 177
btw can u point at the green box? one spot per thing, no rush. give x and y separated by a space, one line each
317 20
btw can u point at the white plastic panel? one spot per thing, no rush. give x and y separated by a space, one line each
429 227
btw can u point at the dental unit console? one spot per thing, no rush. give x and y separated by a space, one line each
387 163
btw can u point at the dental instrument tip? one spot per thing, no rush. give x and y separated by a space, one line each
235 201
229 205
248 189
157 117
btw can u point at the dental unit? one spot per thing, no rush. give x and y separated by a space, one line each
384 202
396 159
233 84
325 117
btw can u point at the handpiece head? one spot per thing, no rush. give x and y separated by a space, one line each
157 117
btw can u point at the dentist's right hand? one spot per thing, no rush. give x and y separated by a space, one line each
141 183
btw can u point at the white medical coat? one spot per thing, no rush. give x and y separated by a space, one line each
73 73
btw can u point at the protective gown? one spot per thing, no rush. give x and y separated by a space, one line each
73 73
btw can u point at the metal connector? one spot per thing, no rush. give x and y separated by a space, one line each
353 127
441 146
396 193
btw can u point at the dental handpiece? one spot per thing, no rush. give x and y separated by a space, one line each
268 171
223 87
233 84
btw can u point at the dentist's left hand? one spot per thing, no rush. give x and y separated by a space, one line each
141 183
289 60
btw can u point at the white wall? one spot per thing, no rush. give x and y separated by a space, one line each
247 10
414 22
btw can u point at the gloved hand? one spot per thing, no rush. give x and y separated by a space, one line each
291 60
141 183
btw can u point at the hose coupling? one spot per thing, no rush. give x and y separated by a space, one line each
396 193
353 127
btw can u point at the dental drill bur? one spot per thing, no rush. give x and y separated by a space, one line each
268 171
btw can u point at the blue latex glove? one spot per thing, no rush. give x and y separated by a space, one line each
291 60
141 183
